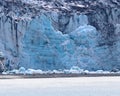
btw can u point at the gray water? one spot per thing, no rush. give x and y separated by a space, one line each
84 86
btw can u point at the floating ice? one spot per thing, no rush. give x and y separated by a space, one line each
76 70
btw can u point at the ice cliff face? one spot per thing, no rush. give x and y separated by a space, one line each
59 34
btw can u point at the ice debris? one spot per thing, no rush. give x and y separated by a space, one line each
72 70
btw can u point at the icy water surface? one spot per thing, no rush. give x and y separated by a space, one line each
83 86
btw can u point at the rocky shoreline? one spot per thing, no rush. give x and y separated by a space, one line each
54 75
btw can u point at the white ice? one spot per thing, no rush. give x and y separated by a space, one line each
83 86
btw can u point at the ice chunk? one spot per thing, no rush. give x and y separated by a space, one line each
22 70
76 69
33 71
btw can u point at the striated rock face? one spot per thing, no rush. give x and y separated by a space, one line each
59 34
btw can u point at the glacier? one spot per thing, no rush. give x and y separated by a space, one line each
39 36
